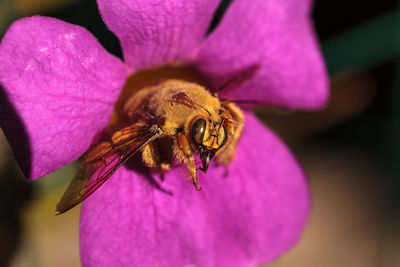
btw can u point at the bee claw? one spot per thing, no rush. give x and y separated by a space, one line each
198 188
203 169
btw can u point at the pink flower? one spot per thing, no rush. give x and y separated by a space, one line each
59 87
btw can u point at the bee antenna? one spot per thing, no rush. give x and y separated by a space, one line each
237 80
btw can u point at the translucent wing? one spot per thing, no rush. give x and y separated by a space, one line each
102 160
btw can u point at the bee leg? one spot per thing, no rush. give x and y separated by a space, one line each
185 155
151 157
234 129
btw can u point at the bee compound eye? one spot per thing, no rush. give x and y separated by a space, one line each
224 137
198 131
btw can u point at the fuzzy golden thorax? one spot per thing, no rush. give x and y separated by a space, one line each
197 120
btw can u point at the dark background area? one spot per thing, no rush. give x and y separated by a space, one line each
350 149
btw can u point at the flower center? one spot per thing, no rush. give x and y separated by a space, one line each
141 79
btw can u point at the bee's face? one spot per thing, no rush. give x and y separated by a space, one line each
208 137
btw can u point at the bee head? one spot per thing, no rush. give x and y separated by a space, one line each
209 137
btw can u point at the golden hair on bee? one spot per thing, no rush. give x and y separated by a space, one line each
175 117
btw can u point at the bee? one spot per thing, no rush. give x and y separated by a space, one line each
172 120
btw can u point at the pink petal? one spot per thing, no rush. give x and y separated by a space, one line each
277 35
154 33
59 86
252 216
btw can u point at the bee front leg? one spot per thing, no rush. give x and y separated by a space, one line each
151 157
183 153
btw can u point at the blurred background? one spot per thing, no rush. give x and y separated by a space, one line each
349 149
